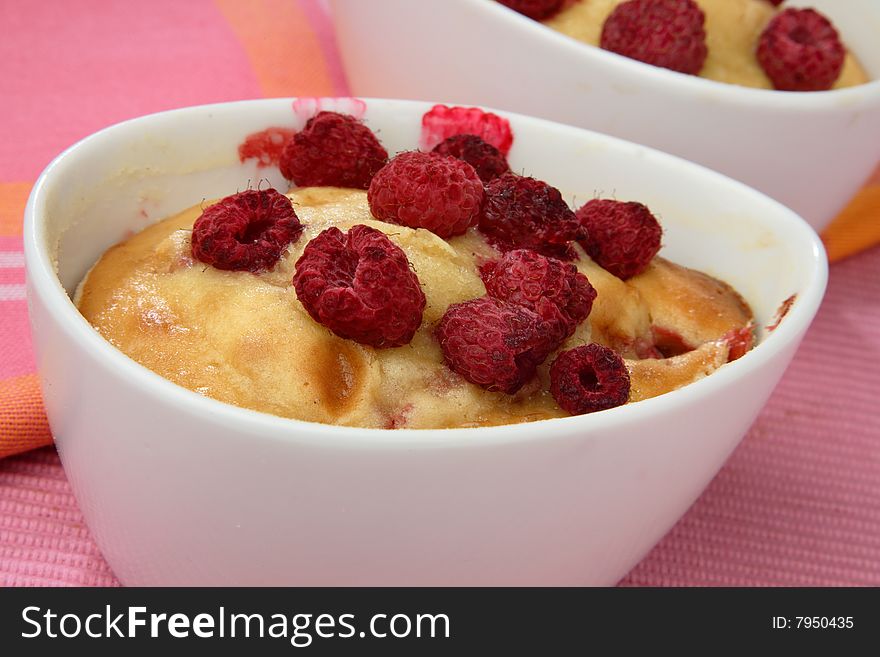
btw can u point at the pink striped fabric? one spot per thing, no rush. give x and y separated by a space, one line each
798 503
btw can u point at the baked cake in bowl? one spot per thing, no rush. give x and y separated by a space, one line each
182 482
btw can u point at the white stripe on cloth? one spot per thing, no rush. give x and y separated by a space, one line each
12 292
11 259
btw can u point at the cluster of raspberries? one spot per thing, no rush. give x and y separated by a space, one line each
362 287
533 303
464 182
799 50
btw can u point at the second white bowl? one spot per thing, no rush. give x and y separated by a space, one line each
811 151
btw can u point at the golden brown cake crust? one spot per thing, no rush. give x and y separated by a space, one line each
245 339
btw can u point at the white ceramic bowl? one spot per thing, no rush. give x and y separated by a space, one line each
181 489
811 151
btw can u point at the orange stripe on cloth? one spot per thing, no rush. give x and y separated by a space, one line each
280 45
23 424
857 227
13 198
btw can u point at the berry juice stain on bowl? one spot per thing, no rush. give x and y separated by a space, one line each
752 43
432 289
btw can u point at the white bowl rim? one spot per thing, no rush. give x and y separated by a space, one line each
43 281
674 82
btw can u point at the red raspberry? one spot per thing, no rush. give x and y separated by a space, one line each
265 146
535 9
589 378
739 341
667 33
556 290
525 213
622 237
775 3
493 344
427 190
360 286
246 231
441 122
334 150
800 50
486 160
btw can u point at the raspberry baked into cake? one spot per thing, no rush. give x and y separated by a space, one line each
434 288
753 43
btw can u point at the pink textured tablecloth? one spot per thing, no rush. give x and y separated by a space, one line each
798 503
